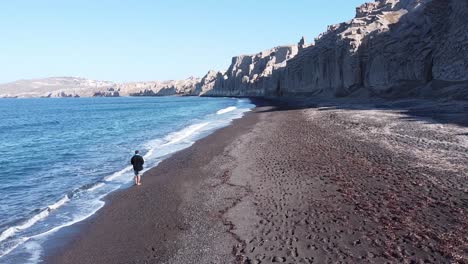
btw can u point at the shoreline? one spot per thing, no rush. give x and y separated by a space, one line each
150 178
301 183
66 236
171 142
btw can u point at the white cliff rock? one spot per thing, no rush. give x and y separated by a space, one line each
248 75
158 88
391 48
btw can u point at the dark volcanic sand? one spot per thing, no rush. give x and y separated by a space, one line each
311 185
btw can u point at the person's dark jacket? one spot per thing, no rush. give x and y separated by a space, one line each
137 162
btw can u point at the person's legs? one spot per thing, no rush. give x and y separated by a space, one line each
138 179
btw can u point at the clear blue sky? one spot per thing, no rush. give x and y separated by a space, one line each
124 40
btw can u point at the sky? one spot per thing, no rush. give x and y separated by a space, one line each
140 40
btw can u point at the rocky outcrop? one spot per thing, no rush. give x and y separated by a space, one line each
162 92
391 48
111 92
302 44
248 75
61 94
157 88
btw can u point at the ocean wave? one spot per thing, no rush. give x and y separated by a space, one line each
35 249
96 186
59 203
44 213
118 174
185 133
23 240
14 245
31 221
74 221
152 145
226 110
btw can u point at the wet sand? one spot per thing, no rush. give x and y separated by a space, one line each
299 183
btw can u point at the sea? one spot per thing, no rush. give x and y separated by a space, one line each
59 158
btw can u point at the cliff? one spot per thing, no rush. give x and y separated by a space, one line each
248 75
392 48
158 88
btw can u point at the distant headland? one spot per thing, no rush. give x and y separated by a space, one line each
392 49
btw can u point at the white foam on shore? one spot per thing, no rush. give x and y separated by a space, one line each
31 221
226 110
36 250
184 133
15 245
97 186
61 202
118 174
152 145
26 224
74 221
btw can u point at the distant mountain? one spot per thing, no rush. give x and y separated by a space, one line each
81 87
53 87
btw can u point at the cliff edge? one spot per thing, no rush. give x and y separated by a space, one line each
392 48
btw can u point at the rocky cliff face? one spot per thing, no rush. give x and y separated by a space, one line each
391 48
157 88
248 75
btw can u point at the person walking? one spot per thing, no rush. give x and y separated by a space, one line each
137 162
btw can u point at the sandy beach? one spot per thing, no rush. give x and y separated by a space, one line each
325 182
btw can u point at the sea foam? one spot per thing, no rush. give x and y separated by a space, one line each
31 221
226 110
184 133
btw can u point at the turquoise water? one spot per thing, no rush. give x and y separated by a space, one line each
60 157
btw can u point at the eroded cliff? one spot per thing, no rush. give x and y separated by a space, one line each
391 48
248 75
